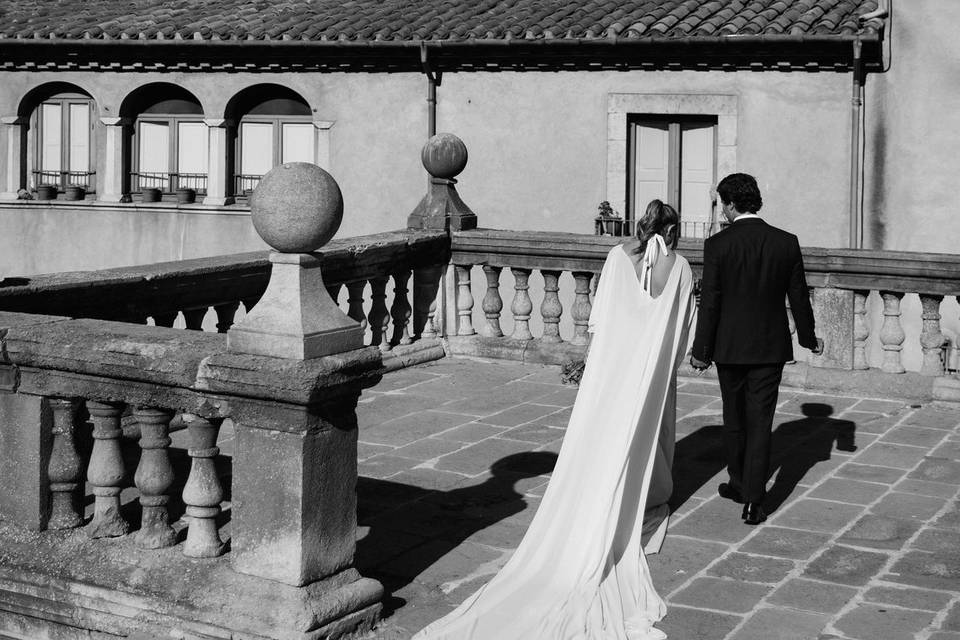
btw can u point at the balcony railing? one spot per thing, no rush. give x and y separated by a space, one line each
63 179
244 184
168 182
621 227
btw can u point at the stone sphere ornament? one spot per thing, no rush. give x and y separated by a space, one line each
297 207
444 156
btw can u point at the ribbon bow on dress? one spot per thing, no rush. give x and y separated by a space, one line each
656 245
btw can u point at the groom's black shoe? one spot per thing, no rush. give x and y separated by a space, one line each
753 513
728 492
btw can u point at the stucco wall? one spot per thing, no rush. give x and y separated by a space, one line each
537 142
912 133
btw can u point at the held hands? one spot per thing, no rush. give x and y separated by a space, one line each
699 365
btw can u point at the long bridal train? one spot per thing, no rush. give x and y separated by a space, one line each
580 571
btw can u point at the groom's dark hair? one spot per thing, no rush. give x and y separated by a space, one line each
740 190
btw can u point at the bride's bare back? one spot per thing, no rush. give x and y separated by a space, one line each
660 271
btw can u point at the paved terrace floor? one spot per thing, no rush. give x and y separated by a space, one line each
862 542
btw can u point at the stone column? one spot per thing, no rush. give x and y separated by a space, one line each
217 173
26 438
14 160
110 187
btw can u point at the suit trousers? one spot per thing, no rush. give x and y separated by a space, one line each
749 395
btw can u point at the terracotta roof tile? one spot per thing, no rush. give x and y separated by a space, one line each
453 20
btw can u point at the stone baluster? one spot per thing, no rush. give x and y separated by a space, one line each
522 306
581 307
106 472
401 310
202 493
550 308
492 302
891 332
464 301
426 287
861 330
65 467
225 315
931 339
379 315
154 478
193 318
165 319
355 303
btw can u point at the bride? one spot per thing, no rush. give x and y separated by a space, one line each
580 571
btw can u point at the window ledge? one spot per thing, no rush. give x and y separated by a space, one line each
193 208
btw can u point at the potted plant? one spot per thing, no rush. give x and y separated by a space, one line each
150 194
185 195
608 222
47 192
75 192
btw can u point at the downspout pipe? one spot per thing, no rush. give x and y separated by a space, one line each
856 104
433 81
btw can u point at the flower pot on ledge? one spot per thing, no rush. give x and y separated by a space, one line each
150 194
186 195
75 192
46 192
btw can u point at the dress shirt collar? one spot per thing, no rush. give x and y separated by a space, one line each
746 216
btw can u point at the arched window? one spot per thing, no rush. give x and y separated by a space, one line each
63 151
274 125
170 141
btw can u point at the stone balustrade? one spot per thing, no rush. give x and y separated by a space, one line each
89 463
386 281
857 297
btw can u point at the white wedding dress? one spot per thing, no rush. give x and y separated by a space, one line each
580 571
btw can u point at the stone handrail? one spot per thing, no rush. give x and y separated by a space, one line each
193 287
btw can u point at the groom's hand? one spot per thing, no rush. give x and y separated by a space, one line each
699 365
819 348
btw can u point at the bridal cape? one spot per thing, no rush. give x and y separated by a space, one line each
580 571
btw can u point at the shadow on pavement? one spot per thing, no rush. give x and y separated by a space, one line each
411 528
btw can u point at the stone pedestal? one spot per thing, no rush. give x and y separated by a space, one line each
834 314
296 318
442 208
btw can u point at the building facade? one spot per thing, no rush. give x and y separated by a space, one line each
560 110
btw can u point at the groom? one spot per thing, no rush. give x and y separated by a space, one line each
748 270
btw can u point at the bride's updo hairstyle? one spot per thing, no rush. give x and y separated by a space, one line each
657 219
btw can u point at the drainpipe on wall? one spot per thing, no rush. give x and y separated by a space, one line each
433 81
856 103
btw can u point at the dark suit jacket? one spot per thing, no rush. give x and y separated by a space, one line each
749 269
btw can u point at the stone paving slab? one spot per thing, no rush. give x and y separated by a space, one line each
861 543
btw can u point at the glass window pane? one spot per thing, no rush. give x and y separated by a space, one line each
192 145
154 147
297 142
256 148
79 137
51 131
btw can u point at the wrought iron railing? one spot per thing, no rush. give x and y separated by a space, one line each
63 178
168 182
